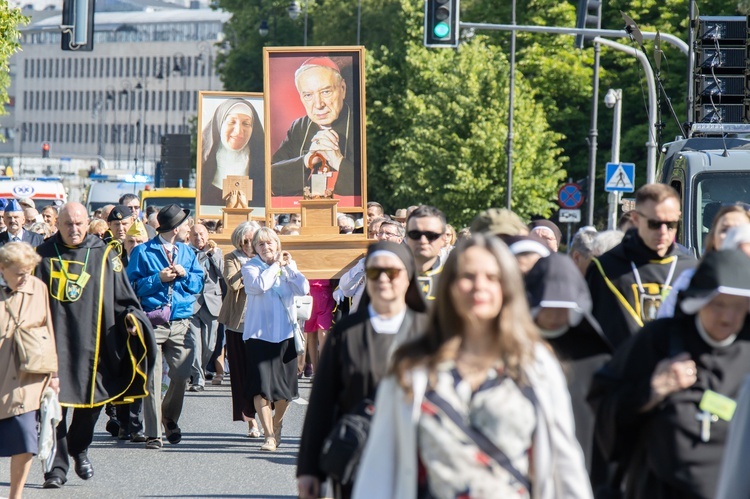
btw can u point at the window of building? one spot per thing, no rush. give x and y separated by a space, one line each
119 65
127 67
26 68
161 97
57 68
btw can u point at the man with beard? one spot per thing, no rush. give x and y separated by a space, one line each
105 344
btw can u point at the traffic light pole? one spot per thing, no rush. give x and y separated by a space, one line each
511 88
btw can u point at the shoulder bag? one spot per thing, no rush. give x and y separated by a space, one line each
299 338
35 346
304 305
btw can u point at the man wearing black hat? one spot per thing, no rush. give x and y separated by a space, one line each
105 344
166 277
14 220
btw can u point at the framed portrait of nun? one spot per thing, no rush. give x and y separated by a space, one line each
231 142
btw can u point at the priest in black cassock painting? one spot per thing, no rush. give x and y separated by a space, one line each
105 344
665 401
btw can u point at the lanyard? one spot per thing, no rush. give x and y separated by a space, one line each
667 282
65 272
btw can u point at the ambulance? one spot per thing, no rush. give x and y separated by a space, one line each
43 191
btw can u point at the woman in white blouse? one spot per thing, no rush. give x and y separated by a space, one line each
271 282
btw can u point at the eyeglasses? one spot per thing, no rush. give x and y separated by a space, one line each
373 273
656 224
387 234
416 235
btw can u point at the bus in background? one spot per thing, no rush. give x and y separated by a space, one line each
44 191
107 189
159 198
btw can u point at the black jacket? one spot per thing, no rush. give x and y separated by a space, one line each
618 305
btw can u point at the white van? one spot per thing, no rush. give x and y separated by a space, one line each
43 192
107 189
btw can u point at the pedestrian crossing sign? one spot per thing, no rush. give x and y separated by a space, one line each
620 177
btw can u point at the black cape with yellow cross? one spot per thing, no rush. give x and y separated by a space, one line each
90 299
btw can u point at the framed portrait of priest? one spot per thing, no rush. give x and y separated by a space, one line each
231 142
315 116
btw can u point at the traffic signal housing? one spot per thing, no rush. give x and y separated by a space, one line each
45 150
441 23
78 23
589 17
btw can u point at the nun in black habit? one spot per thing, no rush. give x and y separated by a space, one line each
357 354
664 403
561 306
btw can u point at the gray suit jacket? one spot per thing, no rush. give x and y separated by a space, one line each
213 269
32 238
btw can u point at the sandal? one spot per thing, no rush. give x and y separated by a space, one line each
218 379
153 443
252 431
174 434
269 445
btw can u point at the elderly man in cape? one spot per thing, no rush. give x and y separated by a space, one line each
105 344
325 134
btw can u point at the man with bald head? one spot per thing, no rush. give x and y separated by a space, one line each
324 139
105 344
204 323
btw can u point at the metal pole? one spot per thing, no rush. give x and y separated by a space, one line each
305 23
511 91
559 30
691 61
359 18
614 197
651 146
593 133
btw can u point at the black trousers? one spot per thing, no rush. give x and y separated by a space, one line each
130 416
74 439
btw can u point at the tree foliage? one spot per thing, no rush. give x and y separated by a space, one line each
437 118
10 19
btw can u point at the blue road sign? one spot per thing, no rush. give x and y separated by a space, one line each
620 177
569 196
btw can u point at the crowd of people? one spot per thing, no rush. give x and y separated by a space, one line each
487 361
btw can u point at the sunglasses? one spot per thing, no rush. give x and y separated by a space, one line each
416 235
373 273
656 224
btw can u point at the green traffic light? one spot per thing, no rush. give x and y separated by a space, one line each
442 30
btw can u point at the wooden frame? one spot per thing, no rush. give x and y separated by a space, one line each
209 202
291 130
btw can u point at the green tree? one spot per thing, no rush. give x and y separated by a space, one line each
448 148
10 19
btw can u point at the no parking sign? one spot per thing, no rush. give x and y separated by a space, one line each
569 196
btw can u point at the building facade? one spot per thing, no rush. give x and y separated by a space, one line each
115 103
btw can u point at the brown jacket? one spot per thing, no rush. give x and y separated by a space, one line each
232 313
21 392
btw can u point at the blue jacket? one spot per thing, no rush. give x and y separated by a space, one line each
147 260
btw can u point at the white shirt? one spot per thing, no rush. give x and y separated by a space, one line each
270 309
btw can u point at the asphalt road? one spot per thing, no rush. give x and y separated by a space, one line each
214 459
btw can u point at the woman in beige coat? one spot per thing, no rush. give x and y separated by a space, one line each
232 315
20 392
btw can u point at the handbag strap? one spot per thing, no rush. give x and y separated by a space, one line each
481 441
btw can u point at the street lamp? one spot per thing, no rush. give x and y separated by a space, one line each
613 99
294 10
208 61
181 67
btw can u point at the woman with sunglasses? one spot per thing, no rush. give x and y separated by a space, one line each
478 405
355 356
232 315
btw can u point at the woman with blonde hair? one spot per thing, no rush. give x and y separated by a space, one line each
232 315
26 297
469 400
271 282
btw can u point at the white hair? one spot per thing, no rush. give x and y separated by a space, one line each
605 241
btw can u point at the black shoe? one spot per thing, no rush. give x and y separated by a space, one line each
174 434
53 482
83 466
138 437
113 427
123 434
